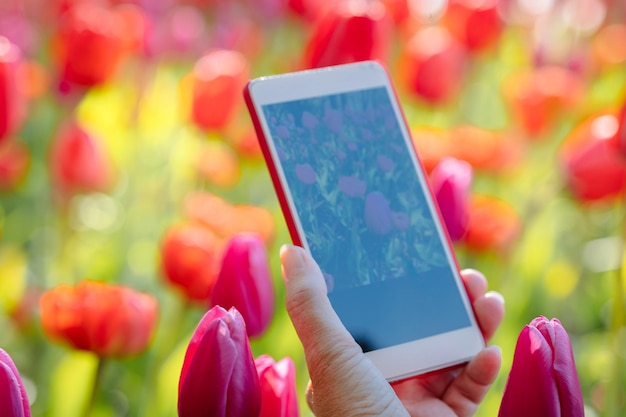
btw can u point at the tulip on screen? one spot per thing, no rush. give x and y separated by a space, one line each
543 380
278 387
13 398
245 282
451 181
219 377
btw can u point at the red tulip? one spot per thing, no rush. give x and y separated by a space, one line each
620 136
245 282
78 162
451 181
353 30
12 98
493 225
216 83
219 377
543 380
476 24
108 320
13 398
14 161
593 168
432 64
190 257
90 44
279 397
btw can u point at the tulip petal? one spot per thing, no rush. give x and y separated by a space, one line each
278 387
531 389
12 393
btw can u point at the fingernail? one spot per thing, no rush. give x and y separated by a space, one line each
291 258
495 294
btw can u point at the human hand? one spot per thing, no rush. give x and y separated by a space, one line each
348 384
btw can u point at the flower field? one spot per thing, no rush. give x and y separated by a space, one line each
134 195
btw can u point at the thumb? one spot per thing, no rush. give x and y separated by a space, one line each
307 303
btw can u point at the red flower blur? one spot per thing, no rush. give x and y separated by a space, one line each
215 86
190 260
108 320
593 168
245 282
90 44
432 65
543 380
494 225
352 30
279 397
78 162
13 398
14 162
451 182
219 377
12 98
476 24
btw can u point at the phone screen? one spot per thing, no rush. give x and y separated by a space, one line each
361 201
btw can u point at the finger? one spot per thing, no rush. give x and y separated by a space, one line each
467 391
488 306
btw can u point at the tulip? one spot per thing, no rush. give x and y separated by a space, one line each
245 282
12 98
306 174
219 377
13 398
451 181
354 30
543 380
90 44
190 258
432 65
216 82
378 215
108 320
78 162
476 24
14 162
593 168
278 387
493 225
620 136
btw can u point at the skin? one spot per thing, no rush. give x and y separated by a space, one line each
348 384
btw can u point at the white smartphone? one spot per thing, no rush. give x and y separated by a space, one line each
355 195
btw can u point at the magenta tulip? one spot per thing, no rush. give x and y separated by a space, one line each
13 398
278 387
451 180
245 282
543 380
219 376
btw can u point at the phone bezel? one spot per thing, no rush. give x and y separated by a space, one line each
399 361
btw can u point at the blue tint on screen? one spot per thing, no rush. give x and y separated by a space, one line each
365 217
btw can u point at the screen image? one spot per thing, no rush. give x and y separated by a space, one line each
365 217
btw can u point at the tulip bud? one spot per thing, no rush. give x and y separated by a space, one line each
190 257
245 282
13 398
493 225
353 30
543 380
12 98
108 320
451 181
278 387
219 377
476 24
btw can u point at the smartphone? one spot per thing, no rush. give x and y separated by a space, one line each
354 194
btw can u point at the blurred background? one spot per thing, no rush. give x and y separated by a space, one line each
127 157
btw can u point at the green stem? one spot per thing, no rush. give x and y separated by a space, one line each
91 400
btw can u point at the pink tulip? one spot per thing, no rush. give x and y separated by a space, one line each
12 97
13 398
219 377
451 180
245 282
278 387
543 380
